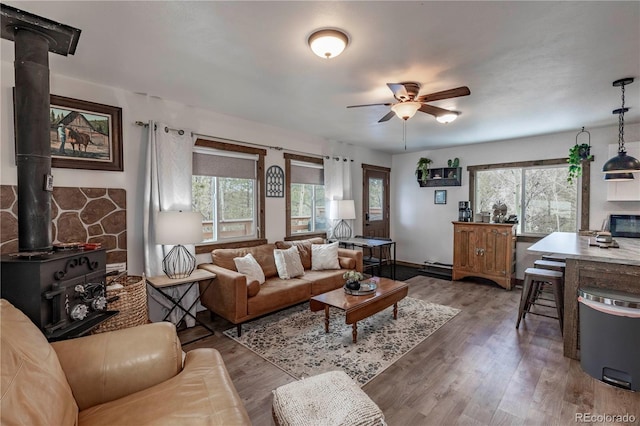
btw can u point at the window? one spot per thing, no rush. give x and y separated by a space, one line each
226 184
306 213
537 192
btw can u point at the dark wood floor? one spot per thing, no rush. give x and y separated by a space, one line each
476 369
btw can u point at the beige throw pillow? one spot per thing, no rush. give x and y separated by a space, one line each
324 256
288 263
250 267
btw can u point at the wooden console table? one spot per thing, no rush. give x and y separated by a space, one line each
589 266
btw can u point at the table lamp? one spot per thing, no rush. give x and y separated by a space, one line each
177 228
342 210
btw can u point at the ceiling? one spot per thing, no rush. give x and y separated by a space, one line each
532 67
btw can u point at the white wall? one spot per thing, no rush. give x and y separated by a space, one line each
138 107
423 230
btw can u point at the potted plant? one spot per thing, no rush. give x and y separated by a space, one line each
577 154
353 279
422 169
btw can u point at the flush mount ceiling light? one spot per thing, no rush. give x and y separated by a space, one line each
447 118
622 165
328 43
406 110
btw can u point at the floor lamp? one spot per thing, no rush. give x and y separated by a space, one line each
342 210
177 228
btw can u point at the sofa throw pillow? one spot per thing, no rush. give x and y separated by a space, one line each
249 266
304 248
288 263
324 256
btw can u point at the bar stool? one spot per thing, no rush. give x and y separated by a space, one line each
555 257
533 277
544 287
553 265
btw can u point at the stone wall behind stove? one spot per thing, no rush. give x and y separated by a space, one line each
94 215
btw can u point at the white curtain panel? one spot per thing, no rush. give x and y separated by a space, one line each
167 187
337 183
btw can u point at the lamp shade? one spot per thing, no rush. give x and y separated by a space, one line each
328 43
342 209
178 227
447 118
406 110
621 163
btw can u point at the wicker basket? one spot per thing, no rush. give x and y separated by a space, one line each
132 304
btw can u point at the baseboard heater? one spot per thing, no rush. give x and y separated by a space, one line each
437 270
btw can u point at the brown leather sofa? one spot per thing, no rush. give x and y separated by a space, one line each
133 376
238 300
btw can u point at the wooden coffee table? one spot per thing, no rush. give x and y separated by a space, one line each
389 292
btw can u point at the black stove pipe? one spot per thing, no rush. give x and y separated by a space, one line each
33 146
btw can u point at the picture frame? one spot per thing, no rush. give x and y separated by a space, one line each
85 135
440 196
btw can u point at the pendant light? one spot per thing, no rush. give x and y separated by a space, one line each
622 165
618 177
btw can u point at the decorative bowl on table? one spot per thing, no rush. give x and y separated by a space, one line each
365 288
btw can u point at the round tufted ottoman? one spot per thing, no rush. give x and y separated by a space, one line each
326 399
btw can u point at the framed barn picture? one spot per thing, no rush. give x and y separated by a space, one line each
85 135
440 196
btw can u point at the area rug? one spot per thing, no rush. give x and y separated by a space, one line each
294 339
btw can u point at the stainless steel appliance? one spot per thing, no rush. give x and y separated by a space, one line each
464 211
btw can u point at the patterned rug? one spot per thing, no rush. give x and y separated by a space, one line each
294 339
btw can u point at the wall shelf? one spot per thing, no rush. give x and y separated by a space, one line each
442 176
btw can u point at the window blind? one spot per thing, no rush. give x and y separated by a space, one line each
224 165
307 173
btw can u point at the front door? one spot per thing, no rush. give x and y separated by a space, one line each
375 201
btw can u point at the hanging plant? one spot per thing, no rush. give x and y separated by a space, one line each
422 169
577 154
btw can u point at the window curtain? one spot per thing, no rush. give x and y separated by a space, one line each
337 183
167 187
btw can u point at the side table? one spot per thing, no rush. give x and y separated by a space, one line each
162 282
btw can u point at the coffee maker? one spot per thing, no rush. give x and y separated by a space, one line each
464 211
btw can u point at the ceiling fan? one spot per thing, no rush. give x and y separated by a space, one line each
409 102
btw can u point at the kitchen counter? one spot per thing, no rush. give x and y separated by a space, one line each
590 266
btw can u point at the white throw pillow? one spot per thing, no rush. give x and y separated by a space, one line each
324 256
288 263
249 266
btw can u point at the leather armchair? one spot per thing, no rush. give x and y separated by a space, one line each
130 376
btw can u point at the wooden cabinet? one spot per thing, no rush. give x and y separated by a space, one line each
486 250
442 176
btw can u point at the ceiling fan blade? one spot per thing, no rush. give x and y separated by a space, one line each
366 105
399 91
387 117
445 94
433 110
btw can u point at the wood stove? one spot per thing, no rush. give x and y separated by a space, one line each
63 293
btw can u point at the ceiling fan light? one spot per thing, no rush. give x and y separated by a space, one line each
447 118
328 43
406 110
621 163
618 177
